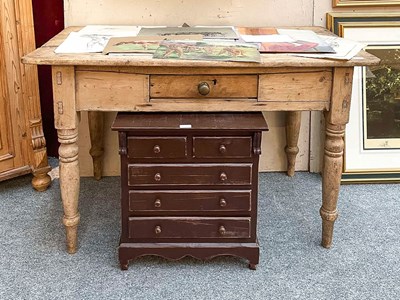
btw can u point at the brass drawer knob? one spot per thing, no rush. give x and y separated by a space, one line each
157 203
223 176
222 202
222 149
222 230
157 177
203 88
156 149
157 229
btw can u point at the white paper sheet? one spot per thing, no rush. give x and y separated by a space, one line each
300 35
345 49
93 38
112 30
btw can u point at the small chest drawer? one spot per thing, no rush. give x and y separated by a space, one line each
187 200
227 147
204 86
157 147
182 227
189 174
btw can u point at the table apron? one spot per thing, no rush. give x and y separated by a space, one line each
105 90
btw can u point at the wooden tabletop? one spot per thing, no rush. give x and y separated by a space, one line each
45 55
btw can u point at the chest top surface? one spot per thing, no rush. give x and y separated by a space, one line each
190 121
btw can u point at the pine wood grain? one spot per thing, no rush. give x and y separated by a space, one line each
46 56
296 86
220 86
22 142
110 90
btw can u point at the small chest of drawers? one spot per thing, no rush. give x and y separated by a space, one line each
189 184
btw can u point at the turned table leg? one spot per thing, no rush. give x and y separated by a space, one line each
332 172
69 184
336 119
66 122
293 122
96 122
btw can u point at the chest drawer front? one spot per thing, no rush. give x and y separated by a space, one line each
157 147
203 86
228 147
189 174
181 227
195 201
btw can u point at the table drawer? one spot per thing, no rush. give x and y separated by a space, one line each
203 86
295 87
110 91
227 147
189 174
184 227
157 147
188 200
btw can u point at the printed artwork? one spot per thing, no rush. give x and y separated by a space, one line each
135 44
382 99
284 40
204 50
206 32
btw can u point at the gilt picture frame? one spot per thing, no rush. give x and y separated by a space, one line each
359 3
372 151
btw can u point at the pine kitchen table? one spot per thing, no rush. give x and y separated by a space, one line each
97 83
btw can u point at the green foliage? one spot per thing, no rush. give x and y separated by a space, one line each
385 82
387 78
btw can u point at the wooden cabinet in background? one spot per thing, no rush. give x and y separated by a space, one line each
22 143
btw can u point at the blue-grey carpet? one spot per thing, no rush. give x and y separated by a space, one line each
364 262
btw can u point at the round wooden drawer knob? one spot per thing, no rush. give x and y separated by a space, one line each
203 88
156 149
157 177
157 203
222 149
222 202
223 176
222 230
157 230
